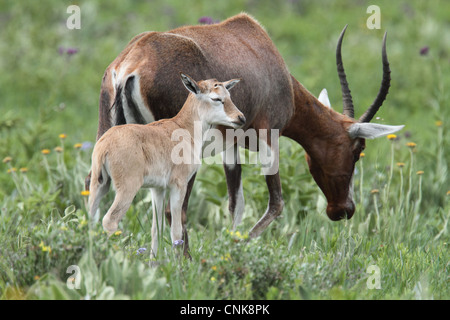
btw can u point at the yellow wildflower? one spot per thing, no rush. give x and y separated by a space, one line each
400 164
227 257
411 144
214 268
362 155
83 223
36 278
63 136
77 145
59 149
45 248
84 193
45 151
420 172
373 191
439 123
23 170
391 136
118 233
12 170
213 279
7 159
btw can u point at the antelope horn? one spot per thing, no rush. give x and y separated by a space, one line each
384 89
348 109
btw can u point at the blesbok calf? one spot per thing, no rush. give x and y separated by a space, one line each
132 156
141 86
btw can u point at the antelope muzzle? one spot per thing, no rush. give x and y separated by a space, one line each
340 211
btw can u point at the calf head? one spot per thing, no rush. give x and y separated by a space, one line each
216 107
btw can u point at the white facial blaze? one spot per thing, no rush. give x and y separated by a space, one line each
351 189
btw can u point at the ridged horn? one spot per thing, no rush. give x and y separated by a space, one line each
346 95
384 89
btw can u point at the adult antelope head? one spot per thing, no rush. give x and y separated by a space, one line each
334 159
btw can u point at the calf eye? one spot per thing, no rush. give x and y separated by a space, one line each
217 100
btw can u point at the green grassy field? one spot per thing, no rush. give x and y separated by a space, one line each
49 86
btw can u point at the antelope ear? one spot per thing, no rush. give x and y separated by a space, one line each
323 98
231 83
190 84
369 130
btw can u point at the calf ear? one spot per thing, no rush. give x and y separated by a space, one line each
369 130
323 98
231 83
190 83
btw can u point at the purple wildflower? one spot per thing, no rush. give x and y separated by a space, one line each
424 50
206 20
141 251
177 243
71 51
86 145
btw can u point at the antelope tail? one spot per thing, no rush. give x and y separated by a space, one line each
126 108
100 182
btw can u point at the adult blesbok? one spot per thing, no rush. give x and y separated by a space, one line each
141 85
132 156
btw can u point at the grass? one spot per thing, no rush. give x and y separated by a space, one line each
401 191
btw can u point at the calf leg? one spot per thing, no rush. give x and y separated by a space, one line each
183 215
122 201
177 196
158 196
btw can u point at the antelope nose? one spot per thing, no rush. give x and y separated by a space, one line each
338 212
242 119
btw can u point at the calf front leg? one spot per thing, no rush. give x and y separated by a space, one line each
158 196
177 196
183 216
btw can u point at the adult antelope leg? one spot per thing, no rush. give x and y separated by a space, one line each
233 170
276 202
274 207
